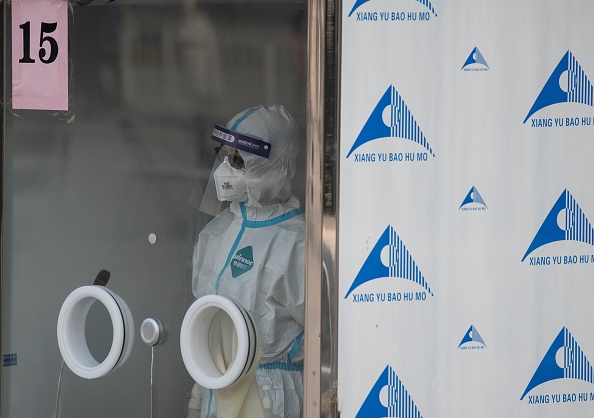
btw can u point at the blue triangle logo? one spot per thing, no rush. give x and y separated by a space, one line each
473 196
475 57
426 3
575 88
563 360
398 263
472 335
388 398
401 124
565 222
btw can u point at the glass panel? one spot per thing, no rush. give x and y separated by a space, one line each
117 188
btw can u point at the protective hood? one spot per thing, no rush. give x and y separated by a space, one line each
268 179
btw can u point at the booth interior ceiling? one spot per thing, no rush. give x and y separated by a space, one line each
466 251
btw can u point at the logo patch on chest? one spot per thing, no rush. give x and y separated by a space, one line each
242 261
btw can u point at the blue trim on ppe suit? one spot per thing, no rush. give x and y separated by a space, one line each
252 224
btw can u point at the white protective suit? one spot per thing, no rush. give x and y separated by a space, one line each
254 252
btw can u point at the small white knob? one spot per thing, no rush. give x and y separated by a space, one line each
151 331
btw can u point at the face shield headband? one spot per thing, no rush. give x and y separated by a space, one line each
242 142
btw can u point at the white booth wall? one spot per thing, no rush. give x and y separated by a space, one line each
465 243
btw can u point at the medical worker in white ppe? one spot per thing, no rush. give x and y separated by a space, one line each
253 251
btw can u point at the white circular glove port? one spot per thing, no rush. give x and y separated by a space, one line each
195 344
71 331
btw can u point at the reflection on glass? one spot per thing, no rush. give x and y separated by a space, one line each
119 187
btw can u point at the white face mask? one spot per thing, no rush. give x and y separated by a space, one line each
230 183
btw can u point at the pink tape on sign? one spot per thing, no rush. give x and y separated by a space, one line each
40 54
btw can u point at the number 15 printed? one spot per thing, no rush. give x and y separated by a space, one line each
40 54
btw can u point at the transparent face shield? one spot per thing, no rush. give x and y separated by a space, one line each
228 150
